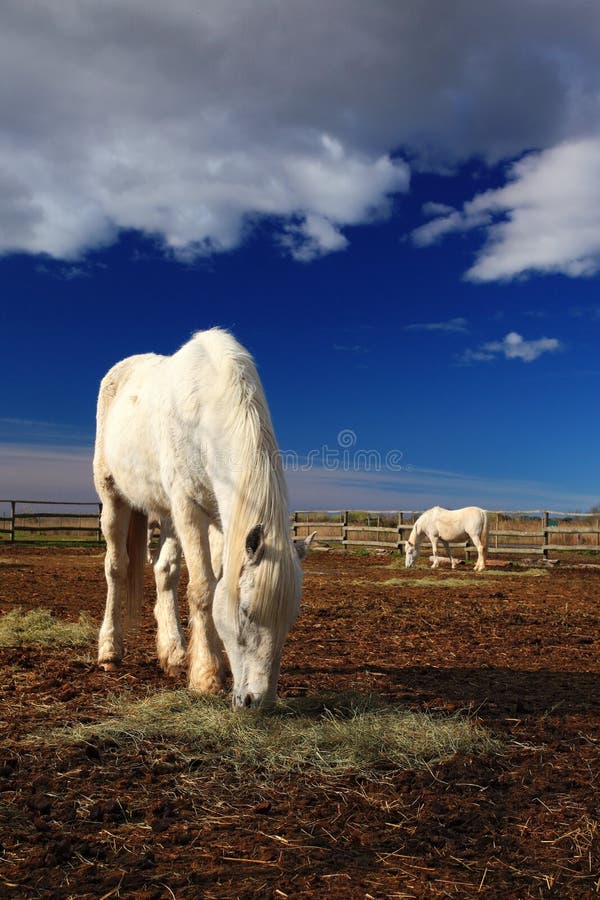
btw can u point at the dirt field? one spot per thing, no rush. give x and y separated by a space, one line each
521 650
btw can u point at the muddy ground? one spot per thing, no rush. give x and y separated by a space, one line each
521 651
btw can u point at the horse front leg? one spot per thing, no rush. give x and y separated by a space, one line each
205 655
170 643
434 551
115 523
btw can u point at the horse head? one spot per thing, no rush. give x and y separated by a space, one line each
254 629
411 554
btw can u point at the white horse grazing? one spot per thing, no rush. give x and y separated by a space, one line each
189 438
448 525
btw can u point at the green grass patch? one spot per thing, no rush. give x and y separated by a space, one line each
415 582
40 627
457 580
26 539
332 735
466 568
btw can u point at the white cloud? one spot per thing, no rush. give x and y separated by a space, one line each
420 488
34 431
190 121
448 222
512 346
32 472
545 219
457 325
314 236
586 312
65 474
431 208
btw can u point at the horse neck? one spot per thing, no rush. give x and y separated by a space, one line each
249 487
415 536
259 495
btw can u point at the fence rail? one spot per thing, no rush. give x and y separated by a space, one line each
528 532
19 522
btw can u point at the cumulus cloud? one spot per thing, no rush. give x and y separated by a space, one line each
545 219
189 122
512 346
314 236
132 115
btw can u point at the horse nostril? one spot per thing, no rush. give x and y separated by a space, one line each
244 700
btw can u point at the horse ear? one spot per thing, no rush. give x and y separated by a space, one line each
255 544
302 547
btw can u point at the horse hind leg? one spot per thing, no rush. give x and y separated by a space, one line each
170 643
478 544
453 562
115 524
153 527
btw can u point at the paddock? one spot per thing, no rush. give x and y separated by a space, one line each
516 650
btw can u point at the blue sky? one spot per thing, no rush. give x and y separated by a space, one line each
408 241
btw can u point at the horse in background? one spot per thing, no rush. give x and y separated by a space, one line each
152 532
215 541
445 525
188 438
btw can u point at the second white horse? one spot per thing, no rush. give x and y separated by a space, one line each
446 525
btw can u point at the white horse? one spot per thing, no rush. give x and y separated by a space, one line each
449 525
189 438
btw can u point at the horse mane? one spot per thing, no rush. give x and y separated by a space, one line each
260 490
415 534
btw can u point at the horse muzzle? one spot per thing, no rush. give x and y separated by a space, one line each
241 699
244 700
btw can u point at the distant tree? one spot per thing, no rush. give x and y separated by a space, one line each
595 508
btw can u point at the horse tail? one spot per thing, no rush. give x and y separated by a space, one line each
137 550
484 530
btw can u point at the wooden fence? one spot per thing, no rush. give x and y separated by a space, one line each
20 523
528 532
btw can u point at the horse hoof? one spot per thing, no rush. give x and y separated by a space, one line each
110 666
207 686
175 671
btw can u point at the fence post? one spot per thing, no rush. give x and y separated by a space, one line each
345 530
545 523
400 542
13 504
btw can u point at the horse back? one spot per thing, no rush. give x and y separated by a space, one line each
125 424
455 524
